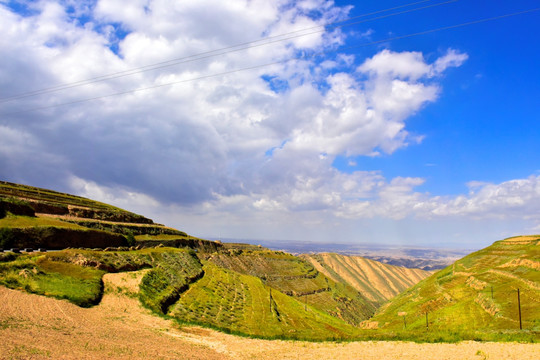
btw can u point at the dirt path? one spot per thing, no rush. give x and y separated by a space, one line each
36 327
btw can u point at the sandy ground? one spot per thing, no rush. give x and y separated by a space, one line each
37 327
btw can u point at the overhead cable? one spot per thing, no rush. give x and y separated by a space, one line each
279 62
226 50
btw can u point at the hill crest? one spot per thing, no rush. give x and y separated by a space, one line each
478 292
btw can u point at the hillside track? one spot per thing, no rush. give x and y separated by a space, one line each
37 327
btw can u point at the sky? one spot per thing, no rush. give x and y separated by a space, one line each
391 121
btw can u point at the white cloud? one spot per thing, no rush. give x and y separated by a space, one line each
227 147
405 65
453 58
410 65
509 199
119 197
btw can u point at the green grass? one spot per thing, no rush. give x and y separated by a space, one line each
76 275
13 221
159 237
448 336
127 228
173 271
39 275
44 200
30 192
459 298
110 261
298 278
243 304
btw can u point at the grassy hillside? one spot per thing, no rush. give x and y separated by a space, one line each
478 292
378 282
76 274
35 217
176 284
298 278
54 202
243 304
254 291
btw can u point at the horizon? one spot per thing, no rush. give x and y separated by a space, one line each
388 122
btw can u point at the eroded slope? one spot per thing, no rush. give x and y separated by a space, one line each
376 281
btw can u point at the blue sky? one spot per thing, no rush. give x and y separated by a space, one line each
485 125
427 140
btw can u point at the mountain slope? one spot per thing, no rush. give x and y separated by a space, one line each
41 218
299 279
376 281
254 292
477 292
244 304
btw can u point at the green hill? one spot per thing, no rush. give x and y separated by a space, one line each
298 278
241 289
244 304
478 292
181 284
254 291
32 217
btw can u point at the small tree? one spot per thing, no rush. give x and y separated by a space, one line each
130 239
6 238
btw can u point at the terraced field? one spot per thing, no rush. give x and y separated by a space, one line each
376 281
54 202
176 283
477 292
41 218
254 291
241 303
298 278
120 328
76 275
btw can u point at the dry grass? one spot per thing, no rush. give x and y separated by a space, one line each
377 281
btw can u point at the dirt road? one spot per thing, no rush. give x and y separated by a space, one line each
37 327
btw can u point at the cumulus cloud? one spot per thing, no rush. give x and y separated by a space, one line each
247 142
514 198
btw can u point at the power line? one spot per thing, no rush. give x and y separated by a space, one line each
277 62
225 50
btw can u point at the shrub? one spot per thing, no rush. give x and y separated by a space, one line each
9 256
130 239
6 238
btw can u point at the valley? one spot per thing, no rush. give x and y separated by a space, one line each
114 284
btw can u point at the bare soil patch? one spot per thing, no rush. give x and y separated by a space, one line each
37 327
